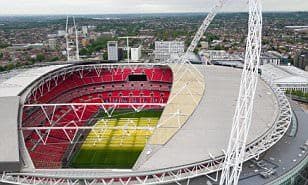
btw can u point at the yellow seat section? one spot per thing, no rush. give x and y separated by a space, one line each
116 133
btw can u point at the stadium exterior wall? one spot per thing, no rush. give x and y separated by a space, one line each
9 145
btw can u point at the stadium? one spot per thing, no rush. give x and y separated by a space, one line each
128 123
83 123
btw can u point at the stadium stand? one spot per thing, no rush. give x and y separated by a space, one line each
88 86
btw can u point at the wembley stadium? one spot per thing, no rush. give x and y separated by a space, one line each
177 121
98 123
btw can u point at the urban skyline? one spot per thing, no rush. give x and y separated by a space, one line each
35 7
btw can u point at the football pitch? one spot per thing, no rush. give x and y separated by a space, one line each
116 148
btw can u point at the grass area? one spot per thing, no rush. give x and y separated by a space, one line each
127 113
111 158
298 95
116 148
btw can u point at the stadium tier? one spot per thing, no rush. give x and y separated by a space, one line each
55 148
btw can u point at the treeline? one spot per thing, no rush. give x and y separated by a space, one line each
3 45
298 93
12 66
96 46
39 58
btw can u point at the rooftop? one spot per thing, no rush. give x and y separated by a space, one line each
284 74
16 83
207 131
284 156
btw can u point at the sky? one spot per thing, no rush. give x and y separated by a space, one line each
137 6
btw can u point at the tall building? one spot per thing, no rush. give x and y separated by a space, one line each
71 30
136 53
84 30
52 43
120 54
301 60
113 54
61 33
165 49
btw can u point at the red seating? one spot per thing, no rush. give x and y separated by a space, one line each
90 86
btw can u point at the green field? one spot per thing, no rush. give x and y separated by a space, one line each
113 148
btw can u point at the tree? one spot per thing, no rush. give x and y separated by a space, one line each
99 44
105 56
55 59
4 45
10 66
18 64
1 55
219 47
40 57
2 68
210 37
84 51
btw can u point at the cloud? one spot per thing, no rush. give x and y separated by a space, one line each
137 6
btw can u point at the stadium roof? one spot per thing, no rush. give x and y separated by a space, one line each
206 133
295 71
292 79
285 74
15 85
12 84
204 126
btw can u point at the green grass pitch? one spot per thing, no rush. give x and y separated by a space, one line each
109 149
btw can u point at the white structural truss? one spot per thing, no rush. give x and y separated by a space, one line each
68 41
243 114
79 109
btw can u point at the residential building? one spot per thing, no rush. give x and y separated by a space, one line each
136 53
112 47
61 33
84 30
52 44
204 45
301 60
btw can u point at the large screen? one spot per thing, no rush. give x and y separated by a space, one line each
137 78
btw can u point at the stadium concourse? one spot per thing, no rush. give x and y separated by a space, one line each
127 123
